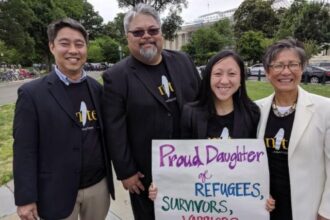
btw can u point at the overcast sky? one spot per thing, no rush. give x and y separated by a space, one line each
108 9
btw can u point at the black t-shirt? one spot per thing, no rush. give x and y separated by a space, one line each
277 138
165 88
92 167
220 127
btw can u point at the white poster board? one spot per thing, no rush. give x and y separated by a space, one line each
210 179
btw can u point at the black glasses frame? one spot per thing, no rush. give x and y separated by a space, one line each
141 33
279 67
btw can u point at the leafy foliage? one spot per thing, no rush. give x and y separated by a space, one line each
306 21
104 49
310 48
91 20
115 29
204 43
290 18
16 18
95 53
170 25
314 23
8 55
207 41
23 24
251 46
255 15
225 29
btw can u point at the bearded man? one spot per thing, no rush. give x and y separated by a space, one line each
143 99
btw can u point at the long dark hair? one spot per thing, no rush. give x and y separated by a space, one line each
240 98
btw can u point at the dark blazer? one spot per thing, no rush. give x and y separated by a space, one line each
135 113
194 122
47 146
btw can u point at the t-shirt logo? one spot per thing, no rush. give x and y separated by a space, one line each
83 111
166 87
84 115
225 133
278 143
279 138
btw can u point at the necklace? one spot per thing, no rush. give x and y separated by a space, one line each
286 113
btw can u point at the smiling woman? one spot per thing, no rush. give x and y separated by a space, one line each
295 124
223 108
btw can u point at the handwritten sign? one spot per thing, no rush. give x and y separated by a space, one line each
210 179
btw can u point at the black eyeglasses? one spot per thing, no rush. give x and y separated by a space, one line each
279 67
140 33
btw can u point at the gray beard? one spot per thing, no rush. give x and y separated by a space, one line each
149 53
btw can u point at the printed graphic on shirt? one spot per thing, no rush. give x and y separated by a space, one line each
166 89
86 117
278 143
278 133
225 133
220 126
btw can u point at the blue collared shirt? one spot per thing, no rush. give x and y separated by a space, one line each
66 80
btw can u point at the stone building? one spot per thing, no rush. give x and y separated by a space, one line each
184 35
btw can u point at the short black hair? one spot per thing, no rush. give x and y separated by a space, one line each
57 25
287 43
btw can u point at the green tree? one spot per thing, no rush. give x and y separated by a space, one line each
314 23
110 50
251 46
115 29
23 24
45 12
207 41
91 20
95 53
15 20
7 55
73 8
311 48
103 49
224 28
170 25
204 43
290 18
306 21
255 15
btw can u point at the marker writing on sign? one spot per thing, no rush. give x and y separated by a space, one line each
169 157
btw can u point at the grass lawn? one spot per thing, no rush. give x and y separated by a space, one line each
6 142
256 90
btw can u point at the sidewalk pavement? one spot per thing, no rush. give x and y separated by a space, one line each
120 209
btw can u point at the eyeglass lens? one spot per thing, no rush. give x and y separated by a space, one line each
140 33
291 66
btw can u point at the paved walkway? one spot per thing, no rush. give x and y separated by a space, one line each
119 209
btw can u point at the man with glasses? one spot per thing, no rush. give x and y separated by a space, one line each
62 168
143 98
